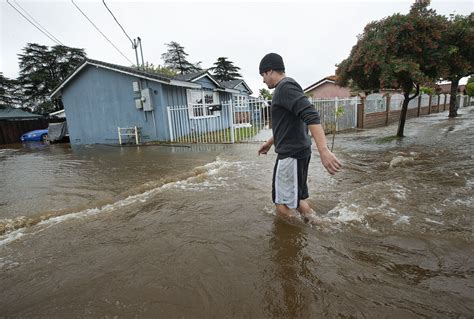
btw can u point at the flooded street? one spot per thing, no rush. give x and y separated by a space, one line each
190 232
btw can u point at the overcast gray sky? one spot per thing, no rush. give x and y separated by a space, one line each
312 36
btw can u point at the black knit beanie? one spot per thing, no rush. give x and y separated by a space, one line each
271 61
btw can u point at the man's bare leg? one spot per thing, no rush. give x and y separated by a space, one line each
308 214
304 208
285 212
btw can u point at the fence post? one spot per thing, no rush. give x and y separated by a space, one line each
361 113
120 136
429 105
169 124
387 108
336 99
231 120
136 135
419 104
356 101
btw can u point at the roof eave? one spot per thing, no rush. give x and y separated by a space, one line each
209 76
228 90
248 88
67 80
319 83
168 82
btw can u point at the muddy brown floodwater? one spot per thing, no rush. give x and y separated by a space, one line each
190 232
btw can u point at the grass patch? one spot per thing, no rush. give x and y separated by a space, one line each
221 136
387 139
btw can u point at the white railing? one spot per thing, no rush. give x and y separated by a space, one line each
250 120
225 123
375 103
330 118
396 102
129 135
246 121
378 103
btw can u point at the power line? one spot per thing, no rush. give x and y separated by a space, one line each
39 24
133 44
101 32
33 23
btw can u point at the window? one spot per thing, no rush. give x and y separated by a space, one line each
241 101
199 103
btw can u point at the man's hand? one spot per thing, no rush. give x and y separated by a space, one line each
265 147
330 161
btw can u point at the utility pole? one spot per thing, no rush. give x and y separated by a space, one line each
141 51
134 46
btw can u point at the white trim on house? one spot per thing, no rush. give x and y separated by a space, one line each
60 113
240 101
67 80
171 82
245 84
239 91
228 90
202 107
318 84
209 76
184 84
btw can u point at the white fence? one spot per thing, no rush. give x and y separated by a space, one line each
377 102
224 123
465 101
248 121
330 118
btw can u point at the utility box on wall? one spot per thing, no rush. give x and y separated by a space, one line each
147 99
137 95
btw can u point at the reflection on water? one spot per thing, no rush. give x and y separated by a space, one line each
103 231
289 295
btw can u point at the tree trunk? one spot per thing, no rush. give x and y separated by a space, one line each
453 111
403 115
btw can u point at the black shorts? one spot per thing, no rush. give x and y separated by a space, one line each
289 184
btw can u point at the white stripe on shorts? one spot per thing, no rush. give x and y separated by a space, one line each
286 182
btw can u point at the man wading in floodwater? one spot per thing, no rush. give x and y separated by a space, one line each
292 116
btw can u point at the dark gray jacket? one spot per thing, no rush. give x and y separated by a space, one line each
291 113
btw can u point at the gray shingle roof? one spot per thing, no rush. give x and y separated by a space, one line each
190 76
231 84
132 70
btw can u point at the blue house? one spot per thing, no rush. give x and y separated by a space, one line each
241 100
101 97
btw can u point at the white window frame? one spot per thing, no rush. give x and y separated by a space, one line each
191 95
241 100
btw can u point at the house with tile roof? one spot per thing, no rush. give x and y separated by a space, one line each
327 88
